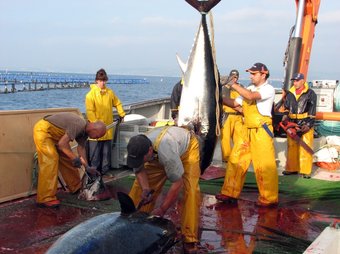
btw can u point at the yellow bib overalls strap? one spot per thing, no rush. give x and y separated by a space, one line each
159 138
252 117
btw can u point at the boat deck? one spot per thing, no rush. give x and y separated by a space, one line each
306 207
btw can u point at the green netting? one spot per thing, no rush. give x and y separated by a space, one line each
311 194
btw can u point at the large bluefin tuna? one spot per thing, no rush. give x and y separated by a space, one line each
200 99
129 232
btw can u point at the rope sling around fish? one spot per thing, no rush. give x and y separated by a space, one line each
217 80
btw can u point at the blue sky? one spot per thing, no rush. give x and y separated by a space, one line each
143 37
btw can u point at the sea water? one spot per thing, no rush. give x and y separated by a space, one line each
154 87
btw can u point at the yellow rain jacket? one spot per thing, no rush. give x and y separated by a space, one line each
99 104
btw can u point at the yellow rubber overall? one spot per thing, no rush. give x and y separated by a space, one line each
191 192
258 147
46 136
231 128
298 159
231 133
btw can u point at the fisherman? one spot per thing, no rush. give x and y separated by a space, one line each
300 109
232 117
175 99
167 153
99 103
257 144
52 136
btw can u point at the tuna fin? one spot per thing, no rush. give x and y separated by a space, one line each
126 204
203 6
182 65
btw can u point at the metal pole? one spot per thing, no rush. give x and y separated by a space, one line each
299 19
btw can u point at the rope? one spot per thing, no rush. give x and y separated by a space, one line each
337 99
285 58
217 94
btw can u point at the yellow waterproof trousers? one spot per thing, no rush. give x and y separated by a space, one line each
298 159
191 194
258 147
46 136
231 132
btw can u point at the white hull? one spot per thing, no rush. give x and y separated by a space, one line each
328 242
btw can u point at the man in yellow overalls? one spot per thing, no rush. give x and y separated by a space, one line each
257 144
232 117
52 136
168 153
300 108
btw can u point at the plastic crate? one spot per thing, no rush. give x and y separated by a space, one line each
119 148
325 99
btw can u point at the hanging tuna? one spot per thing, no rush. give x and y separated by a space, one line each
200 99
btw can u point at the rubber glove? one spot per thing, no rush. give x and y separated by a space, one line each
304 128
92 171
76 162
158 212
121 119
284 120
147 196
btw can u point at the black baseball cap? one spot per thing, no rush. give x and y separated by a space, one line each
234 73
137 148
298 76
258 67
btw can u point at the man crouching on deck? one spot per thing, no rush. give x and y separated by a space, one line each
167 153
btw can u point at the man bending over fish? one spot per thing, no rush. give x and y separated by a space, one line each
168 153
52 136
